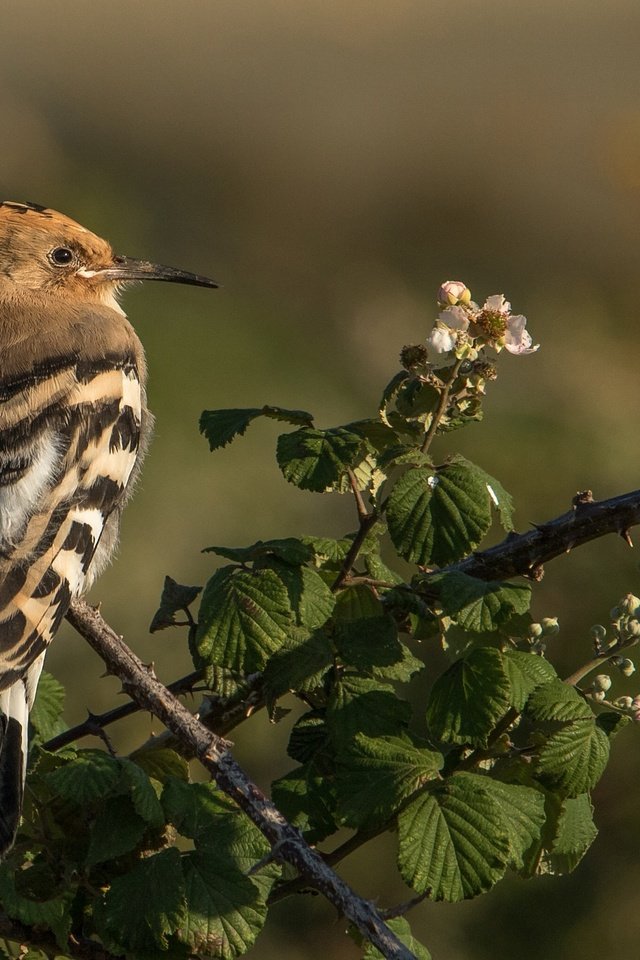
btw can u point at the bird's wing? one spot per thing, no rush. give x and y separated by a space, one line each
69 439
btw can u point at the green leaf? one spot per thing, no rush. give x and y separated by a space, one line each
298 666
143 796
500 499
175 598
523 816
328 550
390 392
91 776
611 722
438 516
194 808
357 603
116 830
317 460
470 698
53 913
310 597
290 550
243 619
308 736
558 703
575 832
46 713
482 606
226 909
144 907
417 398
376 774
573 759
220 427
369 643
452 840
526 672
402 930
360 705
307 799
161 763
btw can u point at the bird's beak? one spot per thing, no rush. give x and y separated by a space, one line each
127 268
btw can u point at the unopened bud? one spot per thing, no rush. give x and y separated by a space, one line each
598 632
535 630
602 682
414 355
452 292
598 695
629 604
623 703
633 628
627 667
550 626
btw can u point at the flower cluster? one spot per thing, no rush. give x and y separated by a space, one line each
465 327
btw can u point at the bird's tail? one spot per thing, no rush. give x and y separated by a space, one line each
15 703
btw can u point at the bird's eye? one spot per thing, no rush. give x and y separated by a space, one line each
61 256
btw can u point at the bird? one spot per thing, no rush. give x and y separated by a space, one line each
74 427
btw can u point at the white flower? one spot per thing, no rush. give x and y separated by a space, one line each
517 340
444 335
497 304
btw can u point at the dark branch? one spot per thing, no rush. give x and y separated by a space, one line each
525 554
287 844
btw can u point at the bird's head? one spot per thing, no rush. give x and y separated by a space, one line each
44 251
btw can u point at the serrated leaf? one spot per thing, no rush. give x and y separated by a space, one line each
91 776
53 913
143 796
470 698
161 763
368 643
220 427
378 434
46 713
226 909
289 549
175 598
307 799
310 597
390 392
376 774
415 398
573 759
575 832
452 840
116 830
308 736
194 808
360 705
526 672
438 516
328 550
317 460
559 703
482 606
242 620
523 816
145 906
500 499
611 722
358 602
298 666
402 930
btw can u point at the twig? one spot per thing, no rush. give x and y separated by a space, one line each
442 406
33 936
367 521
285 840
524 554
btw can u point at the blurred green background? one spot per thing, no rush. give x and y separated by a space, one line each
330 164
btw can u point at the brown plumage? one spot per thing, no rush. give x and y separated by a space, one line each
73 427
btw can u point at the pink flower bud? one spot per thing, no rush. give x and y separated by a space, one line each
452 292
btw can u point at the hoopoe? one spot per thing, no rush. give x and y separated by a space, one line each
73 428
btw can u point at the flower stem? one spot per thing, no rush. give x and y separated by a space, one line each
442 406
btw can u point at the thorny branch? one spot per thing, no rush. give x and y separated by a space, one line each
286 842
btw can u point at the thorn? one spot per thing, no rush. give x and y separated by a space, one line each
626 536
540 527
535 572
581 498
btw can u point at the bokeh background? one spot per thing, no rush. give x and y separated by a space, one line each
330 163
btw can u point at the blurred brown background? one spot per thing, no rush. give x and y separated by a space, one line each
330 164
